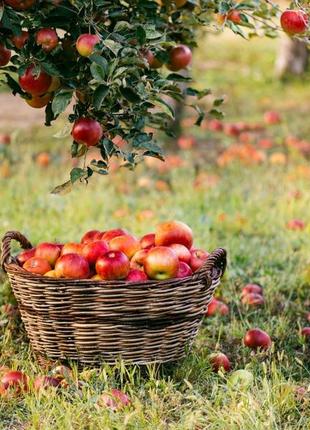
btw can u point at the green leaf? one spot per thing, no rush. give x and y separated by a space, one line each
130 95
60 101
63 188
99 96
141 35
112 45
76 174
98 72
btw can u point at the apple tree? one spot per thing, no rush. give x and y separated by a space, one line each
117 63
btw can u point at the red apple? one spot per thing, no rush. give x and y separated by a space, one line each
72 266
257 338
217 307
272 117
234 16
251 288
184 270
86 43
296 224
25 255
182 252
136 275
49 252
294 21
179 58
35 83
220 361
215 125
232 130
305 332
47 38
137 261
20 40
127 244
153 62
107 236
198 259
113 265
91 236
14 380
44 382
5 139
20 4
161 263
147 241
253 299
171 232
186 143
5 55
39 266
87 131
72 248
121 398
93 250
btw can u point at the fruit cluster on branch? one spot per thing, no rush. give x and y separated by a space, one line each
118 64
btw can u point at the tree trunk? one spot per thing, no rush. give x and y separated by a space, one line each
292 57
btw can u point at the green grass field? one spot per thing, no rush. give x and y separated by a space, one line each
246 212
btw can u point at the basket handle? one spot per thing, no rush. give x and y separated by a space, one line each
6 257
214 266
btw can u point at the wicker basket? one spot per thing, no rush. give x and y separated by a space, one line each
91 322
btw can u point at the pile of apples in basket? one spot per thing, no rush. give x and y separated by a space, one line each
117 255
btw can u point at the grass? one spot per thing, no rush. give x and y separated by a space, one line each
246 212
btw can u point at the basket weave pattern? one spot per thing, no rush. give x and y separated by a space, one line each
101 321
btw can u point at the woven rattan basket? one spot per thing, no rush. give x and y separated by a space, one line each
91 322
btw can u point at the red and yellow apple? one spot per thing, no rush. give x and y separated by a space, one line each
171 232
36 265
72 266
114 265
86 43
161 263
93 250
127 244
49 252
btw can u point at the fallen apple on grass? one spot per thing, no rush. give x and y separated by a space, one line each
219 361
216 307
257 339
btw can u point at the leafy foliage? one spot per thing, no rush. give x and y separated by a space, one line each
115 85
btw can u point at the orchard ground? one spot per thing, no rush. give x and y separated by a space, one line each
243 207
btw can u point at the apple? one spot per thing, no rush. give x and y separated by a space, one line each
5 139
161 263
257 338
272 117
186 143
265 143
5 55
51 274
25 255
147 241
219 361
55 84
14 380
198 259
61 372
91 236
251 288
241 379
136 275
217 307
184 270
33 82
86 43
87 131
113 265
72 266
137 261
179 58
39 266
121 398
127 244
49 252
93 250
20 4
171 232
234 16
253 299
215 125
182 252
305 332
72 248
296 224
107 236
294 21
153 62
232 130
20 40
38 102
44 382
43 159
47 38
